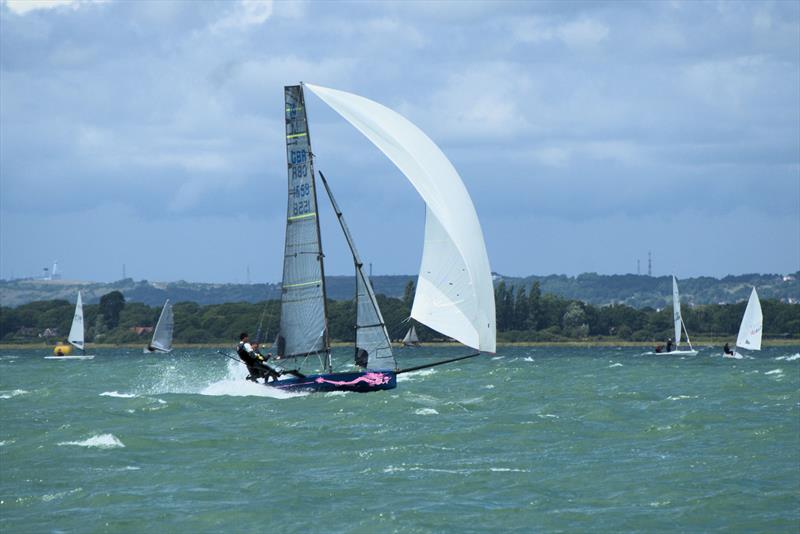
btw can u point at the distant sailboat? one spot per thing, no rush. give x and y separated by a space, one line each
411 339
454 294
75 338
750 329
680 326
162 335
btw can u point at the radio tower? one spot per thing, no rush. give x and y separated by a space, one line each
649 264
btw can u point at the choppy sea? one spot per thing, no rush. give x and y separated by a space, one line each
532 440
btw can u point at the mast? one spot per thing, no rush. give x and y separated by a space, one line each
371 335
304 314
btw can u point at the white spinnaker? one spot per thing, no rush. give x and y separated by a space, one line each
76 332
676 311
752 324
455 295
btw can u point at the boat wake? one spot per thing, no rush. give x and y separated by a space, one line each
236 385
788 358
413 375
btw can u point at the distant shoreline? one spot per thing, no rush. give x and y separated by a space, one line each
701 343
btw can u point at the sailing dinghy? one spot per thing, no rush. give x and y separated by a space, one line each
162 335
454 293
680 326
75 338
411 339
750 329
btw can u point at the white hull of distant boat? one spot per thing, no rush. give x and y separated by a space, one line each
734 356
156 351
678 353
78 357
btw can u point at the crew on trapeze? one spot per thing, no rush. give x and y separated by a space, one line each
256 363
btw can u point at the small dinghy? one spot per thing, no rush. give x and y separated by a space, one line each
75 338
750 329
680 327
162 335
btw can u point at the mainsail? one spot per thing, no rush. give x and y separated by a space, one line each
454 292
162 335
76 332
676 311
373 349
752 323
304 325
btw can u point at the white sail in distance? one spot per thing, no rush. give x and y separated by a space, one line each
752 324
162 335
454 295
676 311
76 331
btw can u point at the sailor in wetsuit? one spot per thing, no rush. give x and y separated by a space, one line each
254 361
727 349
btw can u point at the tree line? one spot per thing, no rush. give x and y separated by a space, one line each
523 314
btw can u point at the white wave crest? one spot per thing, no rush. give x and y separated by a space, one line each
774 372
101 441
11 394
615 365
681 397
791 358
527 359
426 411
118 395
416 374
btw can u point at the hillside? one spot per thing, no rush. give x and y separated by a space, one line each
633 290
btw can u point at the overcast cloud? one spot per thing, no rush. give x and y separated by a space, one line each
151 133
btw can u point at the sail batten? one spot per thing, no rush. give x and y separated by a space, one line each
76 336
752 324
454 292
303 325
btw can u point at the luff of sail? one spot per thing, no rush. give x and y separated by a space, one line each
75 337
162 335
303 325
676 311
454 295
371 335
752 324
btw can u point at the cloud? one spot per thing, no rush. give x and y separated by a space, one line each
244 14
22 7
579 33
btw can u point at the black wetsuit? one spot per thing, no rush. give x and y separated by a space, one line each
669 346
727 349
255 367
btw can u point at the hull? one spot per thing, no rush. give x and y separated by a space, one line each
81 357
359 382
674 353
734 356
157 351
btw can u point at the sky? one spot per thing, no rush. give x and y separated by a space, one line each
151 134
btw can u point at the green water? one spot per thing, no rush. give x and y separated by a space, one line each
542 439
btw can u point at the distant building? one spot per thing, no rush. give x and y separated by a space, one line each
49 332
139 330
